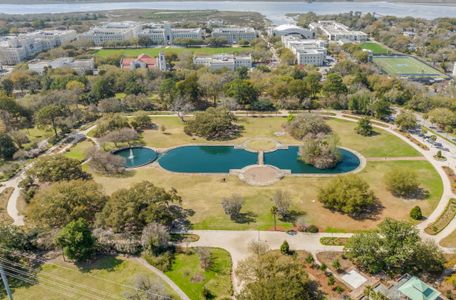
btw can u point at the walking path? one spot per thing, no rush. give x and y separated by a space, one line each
163 276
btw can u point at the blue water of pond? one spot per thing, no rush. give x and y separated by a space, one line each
206 159
287 159
137 156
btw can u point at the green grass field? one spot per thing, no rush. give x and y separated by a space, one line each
187 273
406 66
79 150
204 193
108 275
374 47
154 51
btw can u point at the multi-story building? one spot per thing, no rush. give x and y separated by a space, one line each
165 34
112 32
81 66
221 61
290 29
14 49
307 52
336 31
235 34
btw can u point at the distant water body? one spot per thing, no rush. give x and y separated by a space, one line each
274 11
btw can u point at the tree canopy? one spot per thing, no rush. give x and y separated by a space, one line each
213 124
66 201
320 151
76 240
271 276
304 124
131 209
395 248
347 194
53 168
403 182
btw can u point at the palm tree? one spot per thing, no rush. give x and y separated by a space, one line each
274 214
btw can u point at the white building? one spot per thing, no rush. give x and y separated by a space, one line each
307 52
336 31
165 34
221 61
290 29
81 66
112 32
14 49
235 34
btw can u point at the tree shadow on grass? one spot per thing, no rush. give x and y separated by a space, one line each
292 216
99 262
417 194
371 212
247 217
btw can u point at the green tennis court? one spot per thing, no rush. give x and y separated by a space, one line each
405 66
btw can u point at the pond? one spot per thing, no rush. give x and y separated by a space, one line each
137 156
222 159
287 159
206 159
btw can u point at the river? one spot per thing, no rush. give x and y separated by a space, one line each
275 11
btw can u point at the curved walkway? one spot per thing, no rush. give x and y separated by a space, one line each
163 276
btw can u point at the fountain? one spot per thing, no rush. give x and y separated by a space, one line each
131 156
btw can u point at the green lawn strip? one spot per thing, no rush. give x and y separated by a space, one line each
112 275
187 273
376 48
35 135
155 51
444 219
4 197
333 241
449 241
79 150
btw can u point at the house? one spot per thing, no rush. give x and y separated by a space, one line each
307 52
407 288
143 61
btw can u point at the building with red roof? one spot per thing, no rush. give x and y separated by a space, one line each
143 61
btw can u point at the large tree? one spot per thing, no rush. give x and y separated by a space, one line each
76 240
52 115
213 124
132 209
403 182
243 91
305 124
348 194
395 248
7 147
57 168
334 86
271 276
406 120
320 151
66 201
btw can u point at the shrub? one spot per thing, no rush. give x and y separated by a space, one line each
416 213
285 248
312 229
348 194
320 151
402 182
364 127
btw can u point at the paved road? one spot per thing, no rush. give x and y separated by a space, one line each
165 278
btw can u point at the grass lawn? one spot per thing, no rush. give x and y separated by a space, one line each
376 48
381 145
449 241
204 193
112 275
187 273
4 197
79 150
155 51
36 135
405 65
